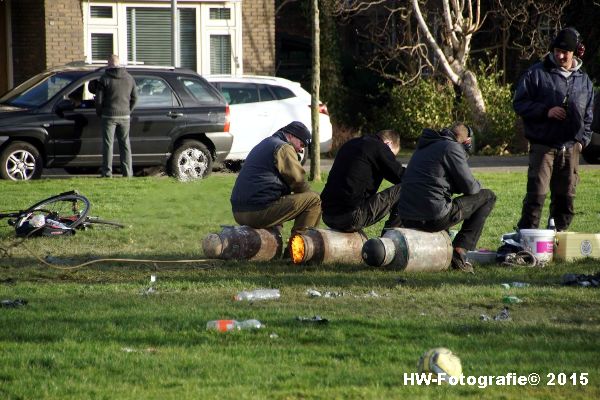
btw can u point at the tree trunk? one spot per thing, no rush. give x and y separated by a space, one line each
472 95
315 149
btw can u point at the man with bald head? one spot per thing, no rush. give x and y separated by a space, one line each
116 95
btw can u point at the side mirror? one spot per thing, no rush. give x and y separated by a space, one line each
64 105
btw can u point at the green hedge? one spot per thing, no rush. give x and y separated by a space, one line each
430 103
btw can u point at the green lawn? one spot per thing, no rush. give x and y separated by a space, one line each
90 333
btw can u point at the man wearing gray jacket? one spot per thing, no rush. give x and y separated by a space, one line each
437 170
116 95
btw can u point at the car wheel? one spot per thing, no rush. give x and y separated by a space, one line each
190 161
20 161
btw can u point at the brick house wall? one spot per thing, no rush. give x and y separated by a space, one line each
45 33
258 37
28 37
64 32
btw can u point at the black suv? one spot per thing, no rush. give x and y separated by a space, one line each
180 121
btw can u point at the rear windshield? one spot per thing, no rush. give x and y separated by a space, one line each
39 89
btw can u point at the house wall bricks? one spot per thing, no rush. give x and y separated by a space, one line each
46 33
258 32
28 39
64 32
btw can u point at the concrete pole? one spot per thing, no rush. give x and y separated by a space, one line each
174 34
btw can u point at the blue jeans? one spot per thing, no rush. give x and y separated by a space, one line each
120 127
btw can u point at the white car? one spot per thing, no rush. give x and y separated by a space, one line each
260 105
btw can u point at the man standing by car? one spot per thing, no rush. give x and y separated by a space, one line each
116 95
270 188
555 99
437 170
350 200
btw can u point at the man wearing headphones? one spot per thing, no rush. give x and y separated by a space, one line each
437 170
555 100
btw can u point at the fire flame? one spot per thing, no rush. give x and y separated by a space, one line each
297 249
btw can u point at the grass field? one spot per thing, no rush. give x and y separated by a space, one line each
91 333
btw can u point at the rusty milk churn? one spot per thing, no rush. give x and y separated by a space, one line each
409 250
244 243
327 246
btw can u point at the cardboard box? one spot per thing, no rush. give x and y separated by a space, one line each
572 245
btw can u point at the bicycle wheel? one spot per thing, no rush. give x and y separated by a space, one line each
69 208
91 221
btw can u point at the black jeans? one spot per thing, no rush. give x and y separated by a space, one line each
472 209
554 169
371 211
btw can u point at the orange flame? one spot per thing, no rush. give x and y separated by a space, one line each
297 249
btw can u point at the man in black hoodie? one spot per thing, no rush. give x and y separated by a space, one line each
116 95
437 170
350 200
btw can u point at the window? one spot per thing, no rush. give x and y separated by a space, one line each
282 93
239 93
198 90
220 54
220 13
154 92
101 12
102 46
149 36
265 93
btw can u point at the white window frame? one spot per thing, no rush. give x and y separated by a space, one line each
204 28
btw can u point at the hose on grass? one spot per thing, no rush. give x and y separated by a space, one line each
5 252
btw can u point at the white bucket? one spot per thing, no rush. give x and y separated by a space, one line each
540 242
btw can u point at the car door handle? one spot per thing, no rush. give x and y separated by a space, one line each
174 114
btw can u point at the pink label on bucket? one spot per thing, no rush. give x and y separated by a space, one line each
544 247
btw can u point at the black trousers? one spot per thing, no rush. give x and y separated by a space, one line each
472 209
554 169
371 211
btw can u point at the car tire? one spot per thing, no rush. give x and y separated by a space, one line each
20 161
190 161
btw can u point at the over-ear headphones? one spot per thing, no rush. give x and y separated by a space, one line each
579 47
580 50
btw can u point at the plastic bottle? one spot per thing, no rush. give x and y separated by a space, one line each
258 294
551 224
511 299
226 325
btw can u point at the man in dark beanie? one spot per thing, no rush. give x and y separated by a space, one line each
270 188
555 100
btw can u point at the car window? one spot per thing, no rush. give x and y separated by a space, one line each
154 92
265 93
39 89
282 93
239 93
198 90
82 96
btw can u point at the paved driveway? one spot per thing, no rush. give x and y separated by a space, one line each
479 163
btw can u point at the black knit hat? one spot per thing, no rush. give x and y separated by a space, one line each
566 40
299 130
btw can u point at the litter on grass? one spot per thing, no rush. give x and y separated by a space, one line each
13 303
501 316
515 285
317 319
581 280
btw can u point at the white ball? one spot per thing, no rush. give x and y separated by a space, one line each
440 361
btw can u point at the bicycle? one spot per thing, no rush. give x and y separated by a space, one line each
58 214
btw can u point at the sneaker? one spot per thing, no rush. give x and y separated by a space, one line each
459 260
